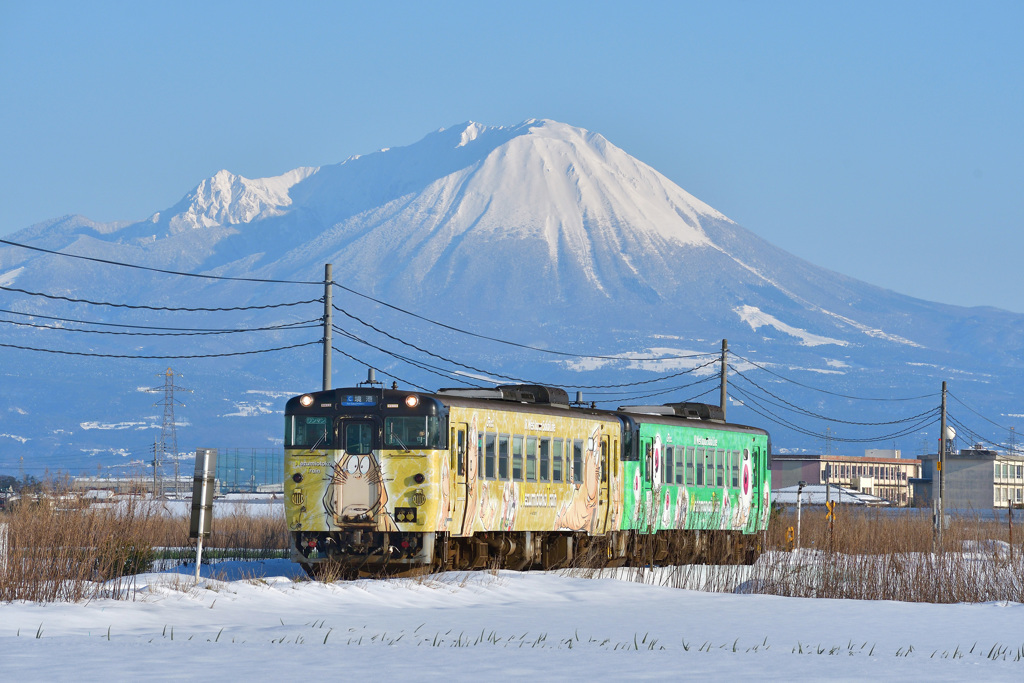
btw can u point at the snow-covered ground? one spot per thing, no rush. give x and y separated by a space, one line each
261 620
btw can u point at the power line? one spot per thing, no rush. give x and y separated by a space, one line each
804 411
505 341
754 405
289 326
383 372
661 393
977 413
158 270
114 355
152 327
488 372
825 391
157 308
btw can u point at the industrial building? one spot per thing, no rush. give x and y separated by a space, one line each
976 479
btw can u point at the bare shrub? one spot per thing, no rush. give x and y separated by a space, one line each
61 549
891 555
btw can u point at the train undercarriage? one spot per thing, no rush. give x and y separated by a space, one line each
357 553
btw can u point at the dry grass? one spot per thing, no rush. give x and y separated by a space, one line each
882 555
60 549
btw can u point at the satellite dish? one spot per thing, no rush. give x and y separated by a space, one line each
950 433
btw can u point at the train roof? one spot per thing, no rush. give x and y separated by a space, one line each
533 397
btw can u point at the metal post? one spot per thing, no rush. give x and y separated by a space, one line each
799 501
199 554
725 375
328 310
942 467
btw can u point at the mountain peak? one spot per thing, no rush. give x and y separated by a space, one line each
229 199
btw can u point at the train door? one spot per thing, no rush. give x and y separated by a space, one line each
457 458
758 477
647 495
357 484
603 507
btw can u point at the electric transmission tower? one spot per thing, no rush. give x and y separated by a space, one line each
167 445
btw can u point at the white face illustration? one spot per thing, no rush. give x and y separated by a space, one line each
359 485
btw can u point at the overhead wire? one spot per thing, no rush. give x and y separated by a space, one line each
377 369
158 308
659 393
975 436
196 333
809 413
831 393
950 394
144 327
158 357
433 369
754 405
501 375
505 341
159 270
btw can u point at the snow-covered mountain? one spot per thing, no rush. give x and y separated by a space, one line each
543 234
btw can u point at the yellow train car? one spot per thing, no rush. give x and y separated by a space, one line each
379 479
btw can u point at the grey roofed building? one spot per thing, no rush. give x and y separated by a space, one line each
815 494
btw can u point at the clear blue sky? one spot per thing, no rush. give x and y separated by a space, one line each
881 140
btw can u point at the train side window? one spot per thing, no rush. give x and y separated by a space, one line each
667 471
699 462
577 461
720 467
680 469
557 449
517 458
503 457
531 458
458 451
690 460
627 446
735 469
492 455
545 460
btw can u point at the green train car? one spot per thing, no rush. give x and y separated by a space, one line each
382 480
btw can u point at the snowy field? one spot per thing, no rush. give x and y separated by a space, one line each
262 620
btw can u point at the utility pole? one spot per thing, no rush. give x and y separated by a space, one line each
942 466
725 375
328 310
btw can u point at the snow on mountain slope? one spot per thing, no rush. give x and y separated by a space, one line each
541 233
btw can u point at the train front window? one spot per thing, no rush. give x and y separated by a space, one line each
308 430
358 438
412 432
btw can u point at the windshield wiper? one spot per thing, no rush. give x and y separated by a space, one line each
322 438
395 437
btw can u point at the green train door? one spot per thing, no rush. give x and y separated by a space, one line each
644 523
758 477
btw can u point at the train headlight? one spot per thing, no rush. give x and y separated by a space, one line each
419 478
297 477
411 401
306 401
